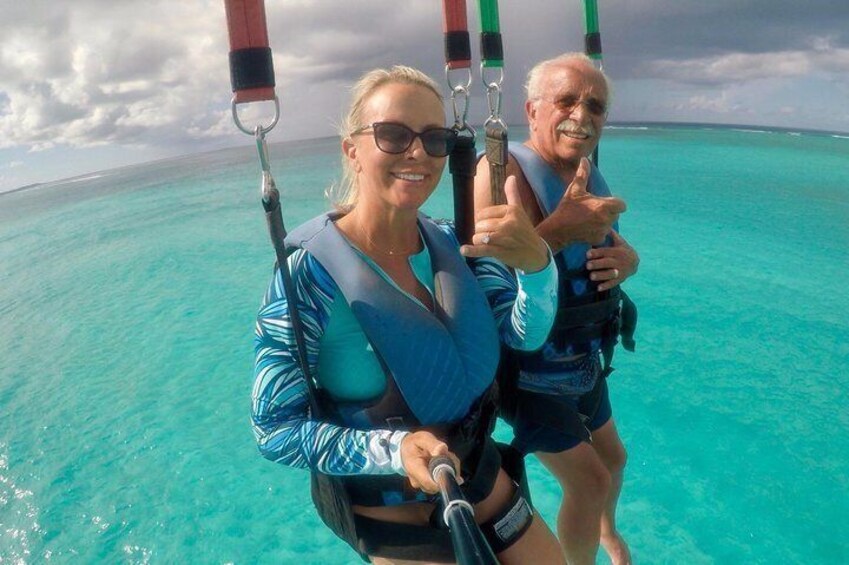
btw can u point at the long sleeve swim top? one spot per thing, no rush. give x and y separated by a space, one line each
341 359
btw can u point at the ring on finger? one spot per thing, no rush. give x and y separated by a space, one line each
615 273
485 239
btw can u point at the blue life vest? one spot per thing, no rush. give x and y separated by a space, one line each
587 320
438 365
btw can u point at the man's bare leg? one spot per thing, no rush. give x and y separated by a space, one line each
585 482
610 450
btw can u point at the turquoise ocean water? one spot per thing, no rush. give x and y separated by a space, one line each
127 301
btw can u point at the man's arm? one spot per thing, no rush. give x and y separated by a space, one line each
579 216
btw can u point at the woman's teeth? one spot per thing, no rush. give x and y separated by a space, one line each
409 177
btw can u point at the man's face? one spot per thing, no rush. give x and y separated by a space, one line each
566 122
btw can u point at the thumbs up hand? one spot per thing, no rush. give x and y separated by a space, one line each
580 216
506 233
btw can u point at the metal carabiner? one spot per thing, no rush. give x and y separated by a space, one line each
493 96
493 100
262 148
460 117
267 186
459 91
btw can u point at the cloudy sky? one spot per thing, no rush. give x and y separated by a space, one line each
89 85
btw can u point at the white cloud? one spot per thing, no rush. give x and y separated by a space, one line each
721 103
735 67
110 72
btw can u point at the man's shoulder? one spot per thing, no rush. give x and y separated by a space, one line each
514 168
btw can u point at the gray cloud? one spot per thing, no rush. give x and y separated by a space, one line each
743 66
151 73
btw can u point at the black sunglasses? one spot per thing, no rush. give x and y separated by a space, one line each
569 102
395 138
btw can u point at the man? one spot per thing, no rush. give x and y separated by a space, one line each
560 409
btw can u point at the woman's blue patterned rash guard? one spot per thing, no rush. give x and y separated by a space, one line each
523 306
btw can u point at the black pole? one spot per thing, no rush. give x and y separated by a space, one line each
470 547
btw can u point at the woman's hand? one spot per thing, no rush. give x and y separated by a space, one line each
506 233
417 449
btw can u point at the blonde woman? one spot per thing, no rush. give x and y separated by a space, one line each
402 340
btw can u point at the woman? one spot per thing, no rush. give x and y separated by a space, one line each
401 340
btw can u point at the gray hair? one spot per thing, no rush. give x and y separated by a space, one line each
533 85
344 195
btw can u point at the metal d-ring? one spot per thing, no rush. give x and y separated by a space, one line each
495 83
263 129
451 84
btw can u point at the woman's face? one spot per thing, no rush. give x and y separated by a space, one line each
402 181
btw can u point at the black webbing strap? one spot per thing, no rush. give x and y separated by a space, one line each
455 26
457 46
328 491
628 323
462 164
277 231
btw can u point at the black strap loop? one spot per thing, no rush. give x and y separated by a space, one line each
251 68
592 43
491 47
457 46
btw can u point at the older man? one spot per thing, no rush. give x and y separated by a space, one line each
559 408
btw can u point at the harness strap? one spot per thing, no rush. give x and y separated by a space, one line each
402 541
492 57
496 154
509 524
592 43
458 51
252 80
251 66
492 50
595 312
468 439
592 36
461 163
547 410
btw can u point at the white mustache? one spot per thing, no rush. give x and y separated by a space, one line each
570 126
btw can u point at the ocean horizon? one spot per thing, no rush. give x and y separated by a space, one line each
750 128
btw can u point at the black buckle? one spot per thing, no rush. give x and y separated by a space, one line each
396 423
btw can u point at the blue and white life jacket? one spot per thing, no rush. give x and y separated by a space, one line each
439 365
